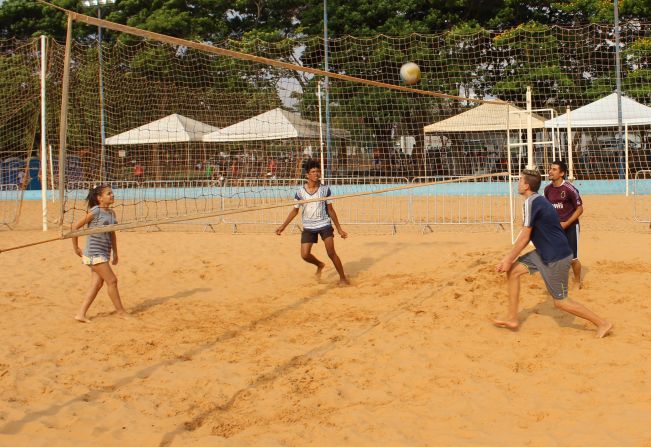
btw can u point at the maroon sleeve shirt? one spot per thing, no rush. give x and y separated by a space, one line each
565 198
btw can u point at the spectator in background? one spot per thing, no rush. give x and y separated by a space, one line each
304 164
271 167
376 158
21 179
210 170
138 171
234 168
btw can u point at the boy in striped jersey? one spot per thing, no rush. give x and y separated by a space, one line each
318 218
568 204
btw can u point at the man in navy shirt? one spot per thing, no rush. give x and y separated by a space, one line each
552 257
568 204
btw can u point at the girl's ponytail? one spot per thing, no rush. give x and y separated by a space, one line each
93 194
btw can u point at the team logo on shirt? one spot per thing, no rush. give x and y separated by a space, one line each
562 194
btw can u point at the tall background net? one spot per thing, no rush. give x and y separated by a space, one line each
187 131
19 111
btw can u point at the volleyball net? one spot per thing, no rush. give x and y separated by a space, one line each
19 111
186 131
180 128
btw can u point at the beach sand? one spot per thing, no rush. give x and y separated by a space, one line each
234 342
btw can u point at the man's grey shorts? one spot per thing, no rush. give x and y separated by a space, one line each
555 274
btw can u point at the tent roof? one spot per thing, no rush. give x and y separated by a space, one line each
486 117
603 113
173 128
276 124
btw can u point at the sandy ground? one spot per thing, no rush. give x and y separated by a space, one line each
234 342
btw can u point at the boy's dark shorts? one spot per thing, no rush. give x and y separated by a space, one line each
555 274
312 236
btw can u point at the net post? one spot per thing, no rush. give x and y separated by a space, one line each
64 119
531 162
510 169
323 173
626 154
43 40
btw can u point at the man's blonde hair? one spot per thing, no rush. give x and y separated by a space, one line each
532 178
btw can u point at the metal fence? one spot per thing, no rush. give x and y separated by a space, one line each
251 192
642 196
130 207
475 202
484 202
10 197
390 208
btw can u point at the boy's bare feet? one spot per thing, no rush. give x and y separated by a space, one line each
82 319
125 315
319 269
507 324
604 329
344 281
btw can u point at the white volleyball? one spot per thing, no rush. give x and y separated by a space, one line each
410 73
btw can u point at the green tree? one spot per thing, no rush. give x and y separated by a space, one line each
637 59
199 20
27 18
529 56
19 99
635 9
393 18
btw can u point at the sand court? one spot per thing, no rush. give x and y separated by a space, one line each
235 342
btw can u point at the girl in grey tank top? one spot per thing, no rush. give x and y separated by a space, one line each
99 247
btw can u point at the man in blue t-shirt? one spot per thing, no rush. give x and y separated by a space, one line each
552 257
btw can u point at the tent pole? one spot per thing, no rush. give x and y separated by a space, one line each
570 156
157 161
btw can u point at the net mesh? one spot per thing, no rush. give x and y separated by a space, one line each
19 111
179 130
192 132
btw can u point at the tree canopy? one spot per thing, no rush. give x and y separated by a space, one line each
216 20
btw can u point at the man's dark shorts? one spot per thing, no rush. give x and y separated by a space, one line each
312 236
572 233
555 274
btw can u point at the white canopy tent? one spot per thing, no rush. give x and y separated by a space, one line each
487 117
603 113
496 116
276 124
600 114
173 128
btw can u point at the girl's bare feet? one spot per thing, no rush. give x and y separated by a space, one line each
82 319
507 324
